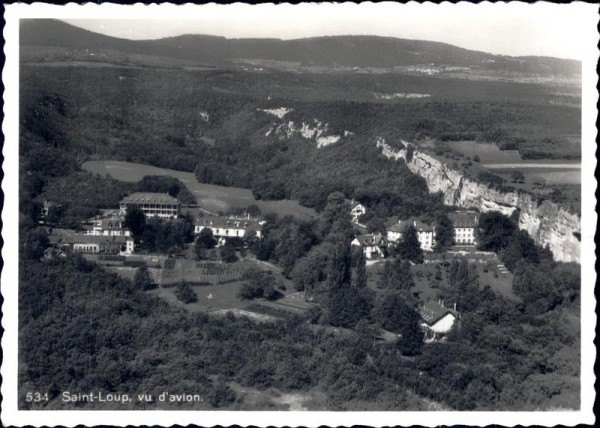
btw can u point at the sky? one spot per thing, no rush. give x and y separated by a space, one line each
515 29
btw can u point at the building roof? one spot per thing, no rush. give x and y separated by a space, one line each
464 218
402 225
111 224
370 240
432 312
150 198
94 239
229 223
354 204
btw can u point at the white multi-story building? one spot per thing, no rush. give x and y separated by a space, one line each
464 224
425 233
159 205
229 227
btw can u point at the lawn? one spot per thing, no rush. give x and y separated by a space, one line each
219 284
428 287
210 197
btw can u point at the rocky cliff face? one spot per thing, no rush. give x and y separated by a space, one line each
547 223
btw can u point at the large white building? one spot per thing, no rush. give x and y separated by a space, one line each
159 205
464 223
425 233
229 227
94 244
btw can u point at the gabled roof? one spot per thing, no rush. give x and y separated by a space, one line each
111 224
464 218
432 312
402 225
229 223
94 239
370 240
150 198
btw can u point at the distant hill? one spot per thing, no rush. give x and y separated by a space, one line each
350 51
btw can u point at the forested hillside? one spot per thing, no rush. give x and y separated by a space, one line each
357 51
221 125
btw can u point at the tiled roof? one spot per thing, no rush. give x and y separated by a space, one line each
401 226
464 218
228 223
369 240
150 198
93 239
432 312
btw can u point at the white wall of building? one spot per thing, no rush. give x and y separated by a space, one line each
444 324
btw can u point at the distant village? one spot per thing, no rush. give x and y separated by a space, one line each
107 236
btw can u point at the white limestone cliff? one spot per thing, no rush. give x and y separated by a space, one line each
547 223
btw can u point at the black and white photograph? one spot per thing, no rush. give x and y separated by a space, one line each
324 213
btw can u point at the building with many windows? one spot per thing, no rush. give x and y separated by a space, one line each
94 244
464 223
159 205
425 233
229 227
108 227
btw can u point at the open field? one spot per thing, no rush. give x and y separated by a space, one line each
219 285
487 152
210 197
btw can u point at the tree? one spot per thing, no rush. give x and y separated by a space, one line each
397 276
228 254
253 210
259 284
338 273
185 293
35 243
494 231
444 233
397 316
135 221
205 240
476 158
410 247
375 225
347 306
142 278
359 278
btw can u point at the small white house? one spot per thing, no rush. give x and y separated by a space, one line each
372 245
356 210
437 319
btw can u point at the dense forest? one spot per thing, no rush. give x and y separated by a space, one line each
84 329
